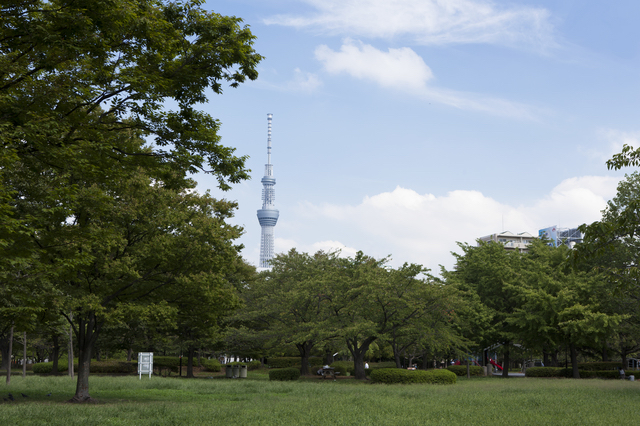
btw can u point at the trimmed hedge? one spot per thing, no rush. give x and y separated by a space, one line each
345 368
383 364
603 374
46 367
544 372
568 372
461 370
211 365
284 374
168 363
291 361
254 365
96 367
397 375
599 366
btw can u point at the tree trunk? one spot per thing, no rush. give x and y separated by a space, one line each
554 358
9 358
305 351
396 357
70 351
623 354
545 358
425 361
4 350
24 355
129 354
574 361
55 353
88 329
358 355
328 358
507 360
190 353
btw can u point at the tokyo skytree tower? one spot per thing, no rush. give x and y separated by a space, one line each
268 214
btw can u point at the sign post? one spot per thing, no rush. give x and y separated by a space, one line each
145 363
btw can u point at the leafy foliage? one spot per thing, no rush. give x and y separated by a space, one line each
99 128
396 375
461 370
212 365
284 374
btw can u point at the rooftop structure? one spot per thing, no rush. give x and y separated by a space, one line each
510 240
559 236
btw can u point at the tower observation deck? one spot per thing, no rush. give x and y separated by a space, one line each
268 214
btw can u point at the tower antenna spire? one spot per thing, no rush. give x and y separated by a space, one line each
268 214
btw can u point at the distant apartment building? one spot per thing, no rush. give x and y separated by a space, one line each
557 236
510 240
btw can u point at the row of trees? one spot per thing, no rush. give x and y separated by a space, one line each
325 303
584 300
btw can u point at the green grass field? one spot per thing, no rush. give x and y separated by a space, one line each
257 401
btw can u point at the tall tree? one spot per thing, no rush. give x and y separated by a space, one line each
612 246
82 83
487 277
370 301
557 305
291 302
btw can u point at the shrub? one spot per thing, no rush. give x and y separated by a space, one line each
345 368
113 367
599 366
568 372
603 374
283 362
383 364
254 365
461 370
544 372
291 361
97 367
211 365
313 360
167 363
283 374
397 375
46 367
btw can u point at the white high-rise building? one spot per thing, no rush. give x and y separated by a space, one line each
268 214
510 240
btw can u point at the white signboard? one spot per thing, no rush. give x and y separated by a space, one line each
145 363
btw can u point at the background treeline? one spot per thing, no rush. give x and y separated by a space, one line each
565 306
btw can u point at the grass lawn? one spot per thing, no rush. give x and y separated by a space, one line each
257 401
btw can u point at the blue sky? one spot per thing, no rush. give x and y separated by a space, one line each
401 127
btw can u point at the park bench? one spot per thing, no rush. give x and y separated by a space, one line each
329 372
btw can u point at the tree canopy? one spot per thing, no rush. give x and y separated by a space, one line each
99 128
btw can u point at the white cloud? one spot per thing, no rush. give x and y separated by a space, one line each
304 81
404 70
616 139
429 22
282 245
398 68
423 228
